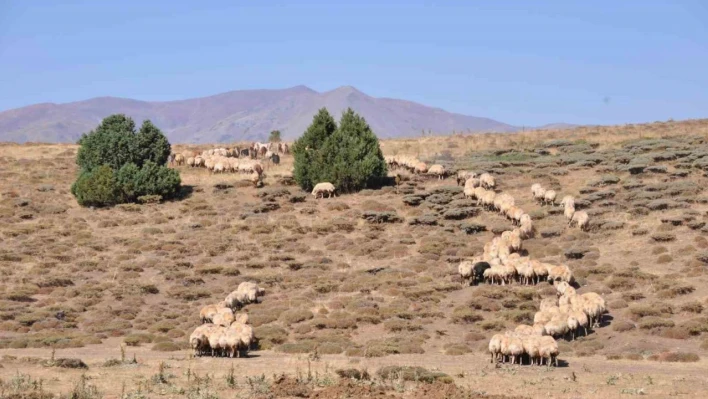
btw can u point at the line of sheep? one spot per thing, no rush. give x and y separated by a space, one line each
501 263
579 218
414 165
561 316
223 332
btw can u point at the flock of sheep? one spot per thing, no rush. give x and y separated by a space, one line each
227 334
579 218
414 165
501 263
223 332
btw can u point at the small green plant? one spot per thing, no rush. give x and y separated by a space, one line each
231 378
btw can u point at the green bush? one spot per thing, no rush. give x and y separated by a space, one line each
115 143
348 155
121 165
96 188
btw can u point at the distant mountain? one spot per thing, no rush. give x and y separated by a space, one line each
236 116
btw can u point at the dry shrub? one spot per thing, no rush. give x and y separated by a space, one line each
166 346
456 349
675 333
295 316
465 315
683 357
623 325
676 291
270 336
692 307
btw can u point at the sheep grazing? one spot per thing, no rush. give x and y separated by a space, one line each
549 198
525 343
567 201
559 273
199 341
487 181
420 168
321 189
538 192
247 292
465 270
568 211
437 170
526 226
206 314
580 218
463 176
179 159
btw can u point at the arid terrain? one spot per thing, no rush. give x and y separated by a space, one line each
361 281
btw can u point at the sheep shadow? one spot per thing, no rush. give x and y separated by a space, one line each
563 363
605 320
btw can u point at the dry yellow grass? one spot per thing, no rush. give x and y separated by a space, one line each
82 280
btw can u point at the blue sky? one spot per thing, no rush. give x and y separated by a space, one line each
520 62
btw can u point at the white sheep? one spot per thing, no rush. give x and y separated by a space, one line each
437 170
487 181
580 218
321 189
549 197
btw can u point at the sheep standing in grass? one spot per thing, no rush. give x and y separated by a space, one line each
420 168
539 193
568 211
437 170
321 189
549 350
199 341
179 159
214 338
495 346
568 200
463 176
487 181
247 292
207 313
580 218
559 273
526 226
549 198
465 270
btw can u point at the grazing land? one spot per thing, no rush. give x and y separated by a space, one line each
365 282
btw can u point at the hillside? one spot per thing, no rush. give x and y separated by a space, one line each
244 115
343 292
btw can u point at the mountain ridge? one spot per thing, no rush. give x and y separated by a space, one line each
237 115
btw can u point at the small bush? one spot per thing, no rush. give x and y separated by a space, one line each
96 188
166 346
623 325
674 357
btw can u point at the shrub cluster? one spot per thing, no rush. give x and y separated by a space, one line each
347 155
119 164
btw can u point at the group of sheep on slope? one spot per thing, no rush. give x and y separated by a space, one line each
414 165
224 333
559 316
501 263
580 218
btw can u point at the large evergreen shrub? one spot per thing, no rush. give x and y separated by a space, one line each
134 159
348 156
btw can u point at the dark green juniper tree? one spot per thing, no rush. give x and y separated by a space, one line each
119 164
348 156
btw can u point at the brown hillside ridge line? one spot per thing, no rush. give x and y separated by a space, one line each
362 281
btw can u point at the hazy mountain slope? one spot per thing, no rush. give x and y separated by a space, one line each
236 115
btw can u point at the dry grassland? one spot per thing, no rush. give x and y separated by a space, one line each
346 293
